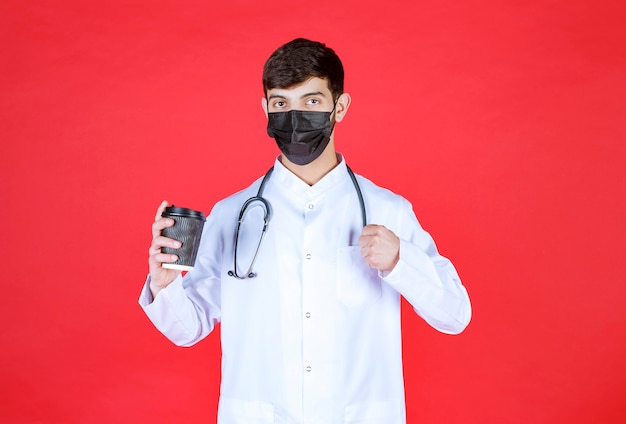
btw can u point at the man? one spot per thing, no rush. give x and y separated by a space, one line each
312 335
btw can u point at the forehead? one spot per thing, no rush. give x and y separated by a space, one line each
312 85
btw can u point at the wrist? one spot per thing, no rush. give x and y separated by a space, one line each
156 286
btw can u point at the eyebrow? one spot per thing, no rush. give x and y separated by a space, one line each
313 93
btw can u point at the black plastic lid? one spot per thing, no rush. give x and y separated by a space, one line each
183 212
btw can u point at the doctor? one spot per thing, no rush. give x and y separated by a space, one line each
314 335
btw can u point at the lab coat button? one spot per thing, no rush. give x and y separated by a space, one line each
308 256
308 369
308 315
311 205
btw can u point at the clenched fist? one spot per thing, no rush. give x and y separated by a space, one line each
380 247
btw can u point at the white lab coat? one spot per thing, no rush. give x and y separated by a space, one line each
315 337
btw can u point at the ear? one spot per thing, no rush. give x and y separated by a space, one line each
343 103
264 105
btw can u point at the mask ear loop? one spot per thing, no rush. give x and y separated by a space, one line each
333 112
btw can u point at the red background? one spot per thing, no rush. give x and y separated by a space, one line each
502 122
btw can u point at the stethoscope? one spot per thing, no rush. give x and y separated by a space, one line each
267 214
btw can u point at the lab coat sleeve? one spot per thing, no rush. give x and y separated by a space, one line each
175 315
427 280
189 308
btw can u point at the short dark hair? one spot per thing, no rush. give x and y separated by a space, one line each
300 59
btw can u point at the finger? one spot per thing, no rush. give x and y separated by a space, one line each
157 226
161 258
156 256
369 258
368 233
160 241
371 229
366 256
372 238
160 210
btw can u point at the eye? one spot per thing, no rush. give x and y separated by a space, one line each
278 104
313 101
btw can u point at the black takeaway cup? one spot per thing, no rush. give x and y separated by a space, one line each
187 229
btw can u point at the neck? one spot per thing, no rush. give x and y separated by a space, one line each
316 170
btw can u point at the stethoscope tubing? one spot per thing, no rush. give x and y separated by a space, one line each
266 219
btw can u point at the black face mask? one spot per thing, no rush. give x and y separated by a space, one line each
301 135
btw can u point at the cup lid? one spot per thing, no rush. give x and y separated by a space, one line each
183 212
